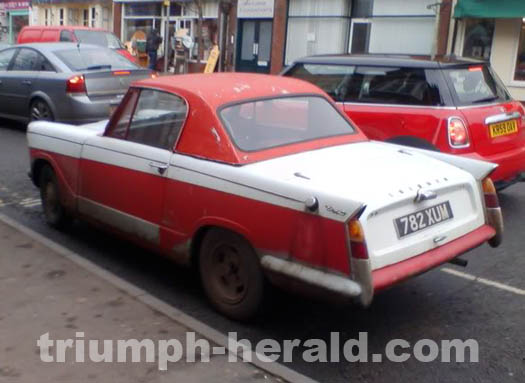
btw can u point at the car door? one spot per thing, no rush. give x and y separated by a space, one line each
123 172
19 81
6 56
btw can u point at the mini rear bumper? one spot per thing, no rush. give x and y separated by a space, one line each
511 164
364 282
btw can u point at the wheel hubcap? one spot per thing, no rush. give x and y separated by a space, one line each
40 111
229 275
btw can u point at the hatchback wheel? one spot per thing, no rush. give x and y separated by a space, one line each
231 274
40 111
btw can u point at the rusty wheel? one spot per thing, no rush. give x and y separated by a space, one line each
231 274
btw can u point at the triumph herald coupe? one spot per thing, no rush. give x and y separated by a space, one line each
258 179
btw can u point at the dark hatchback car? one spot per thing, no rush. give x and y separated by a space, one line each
455 106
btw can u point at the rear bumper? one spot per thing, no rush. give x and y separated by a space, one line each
510 164
82 110
390 275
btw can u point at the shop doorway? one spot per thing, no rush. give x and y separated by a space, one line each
255 45
17 20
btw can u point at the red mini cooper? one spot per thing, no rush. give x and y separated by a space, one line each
454 106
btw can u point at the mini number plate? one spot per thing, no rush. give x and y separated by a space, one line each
423 219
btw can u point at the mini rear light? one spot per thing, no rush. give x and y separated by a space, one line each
121 73
357 240
457 133
76 84
490 194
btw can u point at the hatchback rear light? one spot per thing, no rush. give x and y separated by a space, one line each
490 194
357 240
76 84
457 133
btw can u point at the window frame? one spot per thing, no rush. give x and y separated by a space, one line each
122 107
13 59
15 53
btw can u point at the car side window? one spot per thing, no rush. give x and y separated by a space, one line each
158 119
390 85
5 58
122 118
26 60
66 36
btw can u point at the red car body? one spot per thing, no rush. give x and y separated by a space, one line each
66 33
416 111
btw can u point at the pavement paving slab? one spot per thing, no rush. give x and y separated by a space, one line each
45 293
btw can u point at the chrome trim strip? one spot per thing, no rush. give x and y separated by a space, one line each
124 222
331 282
502 117
398 105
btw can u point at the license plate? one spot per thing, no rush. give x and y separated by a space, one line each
422 219
503 128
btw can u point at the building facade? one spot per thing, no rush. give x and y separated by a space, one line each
494 31
89 13
14 15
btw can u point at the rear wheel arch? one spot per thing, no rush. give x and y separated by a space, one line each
36 169
42 97
413 141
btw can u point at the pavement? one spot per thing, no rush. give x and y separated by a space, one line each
44 292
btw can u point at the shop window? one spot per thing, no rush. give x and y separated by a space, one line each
47 16
519 72
143 9
61 17
317 27
477 42
85 17
93 17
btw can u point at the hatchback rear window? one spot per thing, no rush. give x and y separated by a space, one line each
105 39
476 84
93 59
264 124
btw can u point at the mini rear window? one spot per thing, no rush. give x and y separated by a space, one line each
371 84
93 59
268 123
476 84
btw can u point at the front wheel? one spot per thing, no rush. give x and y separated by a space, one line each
231 274
54 212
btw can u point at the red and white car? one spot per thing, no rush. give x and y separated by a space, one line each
258 178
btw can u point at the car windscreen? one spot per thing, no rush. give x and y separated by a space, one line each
267 123
105 39
476 84
93 59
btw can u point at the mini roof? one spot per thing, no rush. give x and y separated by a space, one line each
390 60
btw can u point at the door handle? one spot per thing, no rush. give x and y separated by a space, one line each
26 82
161 168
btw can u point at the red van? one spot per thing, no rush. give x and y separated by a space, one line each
456 106
70 33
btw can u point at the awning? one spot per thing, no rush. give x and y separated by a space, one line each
490 9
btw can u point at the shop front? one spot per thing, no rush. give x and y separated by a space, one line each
14 15
137 19
494 31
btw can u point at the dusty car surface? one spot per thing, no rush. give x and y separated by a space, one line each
257 178
457 106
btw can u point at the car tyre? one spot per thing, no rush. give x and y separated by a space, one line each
54 212
231 274
40 111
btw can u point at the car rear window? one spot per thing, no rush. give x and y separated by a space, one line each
371 84
476 84
93 59
105 39
264 124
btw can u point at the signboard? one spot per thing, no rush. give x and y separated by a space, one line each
212 60
13 5
255 9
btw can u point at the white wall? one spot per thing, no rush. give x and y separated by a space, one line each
503 55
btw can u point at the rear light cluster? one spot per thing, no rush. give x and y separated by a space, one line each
457 133
76 84
490 194
357 239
